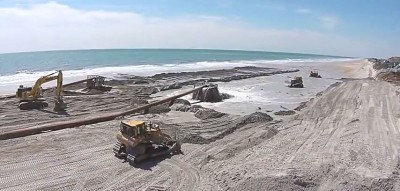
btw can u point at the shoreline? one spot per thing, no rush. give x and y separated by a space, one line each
112 72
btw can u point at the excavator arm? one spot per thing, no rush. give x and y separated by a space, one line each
34 93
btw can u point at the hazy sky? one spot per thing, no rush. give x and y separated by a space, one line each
361 28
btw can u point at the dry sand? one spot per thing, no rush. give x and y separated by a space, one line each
362 69
347 138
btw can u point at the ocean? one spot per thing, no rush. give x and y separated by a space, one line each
25 68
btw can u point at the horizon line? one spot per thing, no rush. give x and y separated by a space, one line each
209 49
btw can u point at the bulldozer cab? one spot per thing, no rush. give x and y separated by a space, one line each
133 128
298 79
314 74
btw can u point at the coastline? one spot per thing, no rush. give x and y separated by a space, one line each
8 82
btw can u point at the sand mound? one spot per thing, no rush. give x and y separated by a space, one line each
256 117
285 112
205 113
226 96
181 105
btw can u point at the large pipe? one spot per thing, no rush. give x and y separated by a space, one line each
87 120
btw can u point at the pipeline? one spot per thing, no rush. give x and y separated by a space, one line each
88 120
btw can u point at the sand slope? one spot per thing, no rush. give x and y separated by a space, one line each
348 139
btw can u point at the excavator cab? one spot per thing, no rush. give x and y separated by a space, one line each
21 92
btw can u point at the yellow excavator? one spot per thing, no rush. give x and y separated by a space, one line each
31 97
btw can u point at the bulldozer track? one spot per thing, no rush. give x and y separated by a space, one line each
190 178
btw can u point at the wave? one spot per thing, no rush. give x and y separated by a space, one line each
27 78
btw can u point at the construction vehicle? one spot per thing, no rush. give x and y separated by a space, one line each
96 82
32 97
314 74
297 82
138 141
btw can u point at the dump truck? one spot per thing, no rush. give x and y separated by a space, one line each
138 141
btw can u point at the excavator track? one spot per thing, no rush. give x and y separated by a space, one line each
32 105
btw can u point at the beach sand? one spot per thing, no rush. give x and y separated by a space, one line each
335 142
362 69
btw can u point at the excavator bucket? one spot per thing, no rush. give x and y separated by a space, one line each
59 105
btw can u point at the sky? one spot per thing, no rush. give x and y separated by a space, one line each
357 28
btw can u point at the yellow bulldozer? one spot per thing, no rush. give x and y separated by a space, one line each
32 97
138 141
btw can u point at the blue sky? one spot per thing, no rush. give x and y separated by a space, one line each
362 28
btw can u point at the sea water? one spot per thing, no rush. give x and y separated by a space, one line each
25 68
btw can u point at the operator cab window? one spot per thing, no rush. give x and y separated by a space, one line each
127 130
